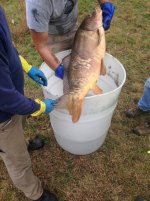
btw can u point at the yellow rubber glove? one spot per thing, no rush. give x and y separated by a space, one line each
33 72
47 105
41 110
26 67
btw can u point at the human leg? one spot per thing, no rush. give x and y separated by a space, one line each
16 158
144 102
143 106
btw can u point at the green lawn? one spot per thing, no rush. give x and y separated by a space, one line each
119 170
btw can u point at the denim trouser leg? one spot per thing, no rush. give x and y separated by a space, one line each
144 102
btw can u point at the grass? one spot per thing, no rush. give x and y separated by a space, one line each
119 170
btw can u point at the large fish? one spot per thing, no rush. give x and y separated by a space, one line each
84 65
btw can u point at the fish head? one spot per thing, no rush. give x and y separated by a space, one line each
93 21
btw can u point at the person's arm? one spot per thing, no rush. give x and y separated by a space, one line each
40 40
36 74
11 100
38 23
41 44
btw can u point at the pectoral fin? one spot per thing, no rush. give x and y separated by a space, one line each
97 90
103 68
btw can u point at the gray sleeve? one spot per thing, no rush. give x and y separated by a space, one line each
38 17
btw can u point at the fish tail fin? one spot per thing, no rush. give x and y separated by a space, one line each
75 107
72 104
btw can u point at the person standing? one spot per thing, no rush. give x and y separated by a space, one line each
142 108
13 106
53 25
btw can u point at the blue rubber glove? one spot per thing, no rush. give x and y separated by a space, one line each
107 12
59 72
37 75
49 105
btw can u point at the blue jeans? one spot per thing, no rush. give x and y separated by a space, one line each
144 102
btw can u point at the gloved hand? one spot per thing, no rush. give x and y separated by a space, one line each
37 75
49 105
59 72
46 106
33 72
107 12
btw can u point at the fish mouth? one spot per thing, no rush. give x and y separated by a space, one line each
97 12
93 21
96 15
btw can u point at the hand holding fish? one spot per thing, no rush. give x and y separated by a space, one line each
59 72
108 10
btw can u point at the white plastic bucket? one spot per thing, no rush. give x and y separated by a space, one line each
89 133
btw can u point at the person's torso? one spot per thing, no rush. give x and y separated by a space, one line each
63 14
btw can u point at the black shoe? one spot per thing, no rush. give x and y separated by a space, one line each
139 198
47 196
35 144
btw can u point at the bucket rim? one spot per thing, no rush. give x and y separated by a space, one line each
105 94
